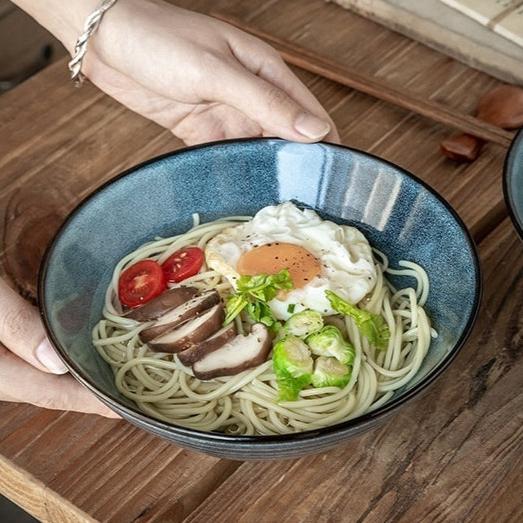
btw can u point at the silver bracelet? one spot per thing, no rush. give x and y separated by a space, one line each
80 48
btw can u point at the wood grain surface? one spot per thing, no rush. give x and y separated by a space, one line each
350 77
455 456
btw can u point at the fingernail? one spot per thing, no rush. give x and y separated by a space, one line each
47 356
311 126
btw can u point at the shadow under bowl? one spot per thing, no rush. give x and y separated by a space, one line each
398 213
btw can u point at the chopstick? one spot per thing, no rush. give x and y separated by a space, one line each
350 77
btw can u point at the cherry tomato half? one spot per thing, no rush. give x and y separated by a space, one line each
183 264
140 283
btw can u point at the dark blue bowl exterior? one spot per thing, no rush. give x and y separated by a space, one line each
513 182
399 215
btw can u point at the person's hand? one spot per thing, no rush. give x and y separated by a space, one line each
30 369
199 77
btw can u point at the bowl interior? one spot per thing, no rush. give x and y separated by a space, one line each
513 182
399 215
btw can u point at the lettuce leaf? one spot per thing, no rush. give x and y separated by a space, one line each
253 294
372 326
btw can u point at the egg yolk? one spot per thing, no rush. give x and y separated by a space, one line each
274 257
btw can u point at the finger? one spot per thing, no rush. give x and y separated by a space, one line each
278 73
22 332
215 122
162 109
264 61
273 109
23 383
193 123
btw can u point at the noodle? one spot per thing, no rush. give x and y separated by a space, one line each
246 403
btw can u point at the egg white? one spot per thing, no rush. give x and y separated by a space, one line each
347 267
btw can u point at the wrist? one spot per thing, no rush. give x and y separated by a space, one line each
111 42
85 41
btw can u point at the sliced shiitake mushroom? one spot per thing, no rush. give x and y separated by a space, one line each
191 332
171 319
189 356
161 304
237 355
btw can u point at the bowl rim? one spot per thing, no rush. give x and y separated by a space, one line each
139 417
508 175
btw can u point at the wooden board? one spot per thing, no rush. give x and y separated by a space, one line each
71 467
447 30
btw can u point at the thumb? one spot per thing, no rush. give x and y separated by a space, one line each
21 331
271 107
21 382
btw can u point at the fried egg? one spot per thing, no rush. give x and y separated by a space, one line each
319 254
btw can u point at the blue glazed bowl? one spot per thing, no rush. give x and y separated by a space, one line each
399 214
513 182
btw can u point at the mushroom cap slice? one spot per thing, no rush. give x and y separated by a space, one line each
191 332
161 304
174 317
189 356
237 355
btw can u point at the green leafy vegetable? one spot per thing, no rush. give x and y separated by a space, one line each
291 307
372 326
234 305
329 372
252 295
303 323
264 287
260 312
329 342
292 364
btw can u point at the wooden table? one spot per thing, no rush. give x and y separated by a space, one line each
456 456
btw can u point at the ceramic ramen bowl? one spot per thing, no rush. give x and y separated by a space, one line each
397 212
513 182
